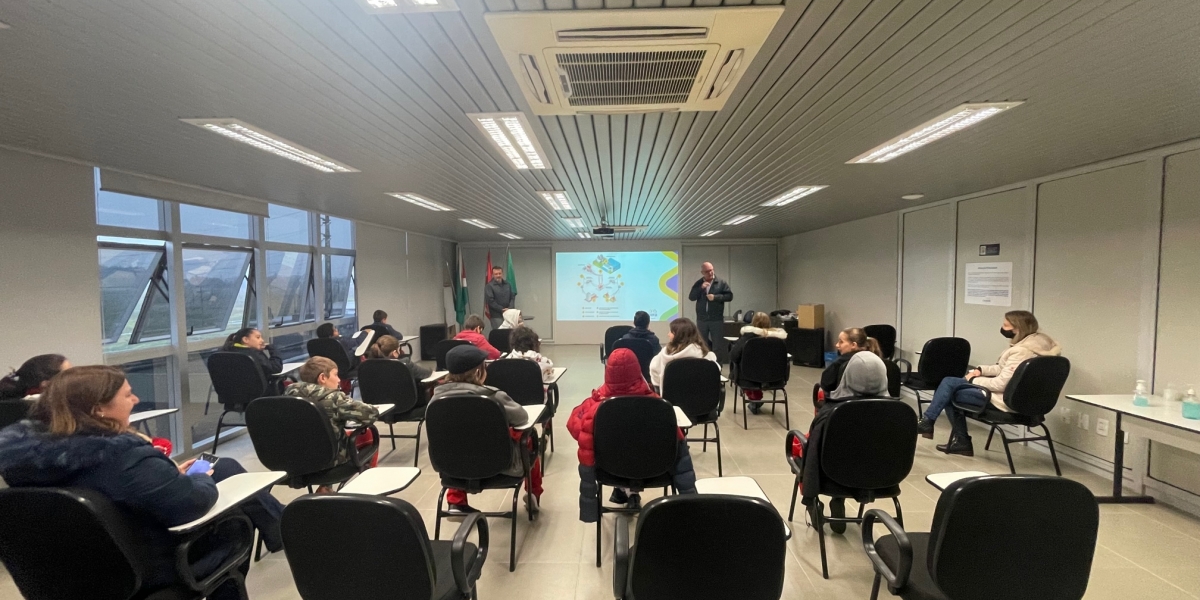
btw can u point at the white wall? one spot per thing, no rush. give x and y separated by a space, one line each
400 273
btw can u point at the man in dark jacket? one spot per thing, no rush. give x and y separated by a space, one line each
498 295
641 331
710 295
381 326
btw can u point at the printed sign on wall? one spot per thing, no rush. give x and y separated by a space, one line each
989 284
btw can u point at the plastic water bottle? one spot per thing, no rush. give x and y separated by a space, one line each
1191 404
1139 394
1171 393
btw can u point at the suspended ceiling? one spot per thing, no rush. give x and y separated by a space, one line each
107 81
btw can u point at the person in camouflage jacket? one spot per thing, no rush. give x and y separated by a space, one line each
319 384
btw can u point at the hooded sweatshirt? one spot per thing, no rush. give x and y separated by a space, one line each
995 377
659 364
476 339
638 333
622 377
512 318
865 376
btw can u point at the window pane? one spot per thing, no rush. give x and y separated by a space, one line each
151 381
157 325
293 346
338 273
210 221
351 302
122 210
124 275
348 329
287 225
214 289
336 233
288 293
202 399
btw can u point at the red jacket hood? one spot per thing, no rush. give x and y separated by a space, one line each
622 377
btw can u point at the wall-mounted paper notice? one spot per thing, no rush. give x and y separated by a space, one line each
989 283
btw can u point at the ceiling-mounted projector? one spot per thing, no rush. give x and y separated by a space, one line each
602 230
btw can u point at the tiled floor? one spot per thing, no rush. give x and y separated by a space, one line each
1145 551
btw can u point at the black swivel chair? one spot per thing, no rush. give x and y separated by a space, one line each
498 338
686 546
441 348
294 435
867 449
238 381
522 380
764 366
386 381
1031 393
635 443
391 558
611 335
1000 536
76 543
694 385
333 350
470 448
12 411
940 358
886 336
642 350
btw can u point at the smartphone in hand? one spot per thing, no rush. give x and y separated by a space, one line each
204 463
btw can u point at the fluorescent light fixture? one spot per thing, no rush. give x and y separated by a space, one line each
246 133
738 220
575 223
794 194
583 235
478 223
511 236
420 201
556 200
710 233
935 129
510 132
912 196
403 6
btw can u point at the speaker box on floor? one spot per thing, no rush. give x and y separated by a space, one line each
807 347
430 336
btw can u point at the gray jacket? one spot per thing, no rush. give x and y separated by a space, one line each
498 296
513 412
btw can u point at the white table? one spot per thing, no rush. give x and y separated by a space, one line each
144 417
1162 422
232 492
941 481
737 486
382 408
407 341
730 338
552 384
533 412
289 367
681 419
435 377
366 336
382 481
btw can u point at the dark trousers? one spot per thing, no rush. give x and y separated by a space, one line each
713 332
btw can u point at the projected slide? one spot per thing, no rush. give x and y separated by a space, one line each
611 286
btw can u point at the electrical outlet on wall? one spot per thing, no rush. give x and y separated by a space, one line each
1126 436
1066 414
1083 421
1102 427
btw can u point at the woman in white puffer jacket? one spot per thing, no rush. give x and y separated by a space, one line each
685 342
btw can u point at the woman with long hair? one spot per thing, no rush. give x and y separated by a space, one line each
759 325
858 371
389 347
29 379
249 341
684 341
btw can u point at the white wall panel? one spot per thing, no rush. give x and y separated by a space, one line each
927 293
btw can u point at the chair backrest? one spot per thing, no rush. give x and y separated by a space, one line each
635 437
642 349
386 381
943 357
893 378
612 334
764 361
498 338
519 378
236 378
291 434
886 336
694 385
683 541
12 411
869 444
440 350
468 437
392 558
1036 384
68 543
1035 533
331 349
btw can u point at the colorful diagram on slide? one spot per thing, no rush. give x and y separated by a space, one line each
612 286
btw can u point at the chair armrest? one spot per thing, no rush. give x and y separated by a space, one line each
235 559
975 410
621 557
602 356
787 449
900 578
529 447
463 579
907 369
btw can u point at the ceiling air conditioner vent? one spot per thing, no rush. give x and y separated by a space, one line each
631 61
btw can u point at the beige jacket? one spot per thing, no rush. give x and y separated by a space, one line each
995 377
659 364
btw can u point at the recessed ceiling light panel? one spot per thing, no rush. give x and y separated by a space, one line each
912 196
935 129
513 138
407 6
421 201
574 223
250 135
794 194
738 220
710 233
556 200
478 223
511 236
583 235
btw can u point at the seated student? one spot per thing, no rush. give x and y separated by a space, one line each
249 341
389 347
684 342
380 326
78 435
870 379
32 376
319 383
525 344
468 372
641 331
622 377
1026 342
511 319
473 332
759 326
327 331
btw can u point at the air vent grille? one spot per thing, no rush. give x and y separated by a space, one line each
623 78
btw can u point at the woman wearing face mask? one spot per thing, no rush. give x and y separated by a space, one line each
1025 342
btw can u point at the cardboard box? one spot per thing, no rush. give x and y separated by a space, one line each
810 316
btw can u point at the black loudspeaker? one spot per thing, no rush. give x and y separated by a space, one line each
430 336
807 347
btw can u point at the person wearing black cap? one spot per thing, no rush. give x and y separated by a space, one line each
468 372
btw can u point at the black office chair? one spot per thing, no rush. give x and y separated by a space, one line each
686 546
333 350
386 381
470 447
886 336
640 348
441 348
294 435
498 338
521 379
635 443
76 543
764 366
694 385
940 358
611 335
1000 536
12 411
1031 393
238 381
391 557
866 450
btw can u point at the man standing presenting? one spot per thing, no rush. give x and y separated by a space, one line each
498 295
710 295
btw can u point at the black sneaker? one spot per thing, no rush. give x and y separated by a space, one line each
958 445
618 496
925 428
754 407
837 510
635 502
461 509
